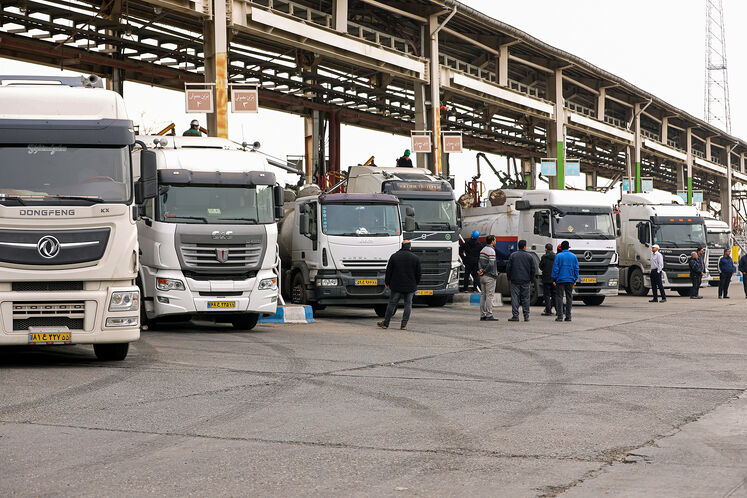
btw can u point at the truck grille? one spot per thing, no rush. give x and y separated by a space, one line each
364 263
367 290
599 259
203 256
435 265
713 258
68 314
46 286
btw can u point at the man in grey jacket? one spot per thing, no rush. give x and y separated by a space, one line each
520 271
488 272
657 267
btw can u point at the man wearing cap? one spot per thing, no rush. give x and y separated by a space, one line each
657 266
194 129
565 271
469 251
548 290
405 161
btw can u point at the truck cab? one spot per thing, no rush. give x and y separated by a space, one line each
209 238
658 218
437 217
543 217
335 249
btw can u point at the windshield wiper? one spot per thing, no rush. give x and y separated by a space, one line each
201 218
237 219
95 200
16 198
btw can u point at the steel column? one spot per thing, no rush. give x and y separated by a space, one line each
556 129
216 68
340 15
689 165
435 94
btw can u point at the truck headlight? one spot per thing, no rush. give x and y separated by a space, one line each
268 283
326 282
615 258
124 301
612 283
454 275
167 284
121 321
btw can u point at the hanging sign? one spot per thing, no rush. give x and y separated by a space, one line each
452 141
572 167
199 100
244 100
647 184
420 141
549 166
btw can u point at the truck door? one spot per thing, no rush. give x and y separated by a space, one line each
307 235
541 231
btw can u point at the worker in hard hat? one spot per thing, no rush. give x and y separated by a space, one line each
405 161
469 251
194 129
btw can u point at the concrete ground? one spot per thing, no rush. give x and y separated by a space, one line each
631 398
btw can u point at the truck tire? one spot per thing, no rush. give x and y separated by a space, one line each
637 286
111 352
684 291
298 289
437 301
713 283
380 310
245 322
593 300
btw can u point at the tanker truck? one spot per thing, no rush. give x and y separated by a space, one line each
209 240
334 248
437 219
542 217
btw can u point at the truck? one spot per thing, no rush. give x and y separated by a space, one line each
335 248
543 217
68 211
209 238
437 222
718 239
658 218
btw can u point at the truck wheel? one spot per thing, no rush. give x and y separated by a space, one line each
298 289
713 284
437 301
245 322
593 300
111 352
637 287
534 297
380 310
684 292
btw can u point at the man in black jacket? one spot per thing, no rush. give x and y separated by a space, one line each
402 279
470 254
520 271
743 271
548 289
696 273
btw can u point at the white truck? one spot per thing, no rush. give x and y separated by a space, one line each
437 217
68 208
209 239
335 248
663 219
543 217
718 239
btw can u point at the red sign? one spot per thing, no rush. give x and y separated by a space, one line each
421 143
246 100
452 143
199 100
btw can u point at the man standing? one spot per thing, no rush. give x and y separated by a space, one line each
657 266
488 272
402 279
405 161
696 274
548 289
520 271
726 270
743 271
565 273
470 253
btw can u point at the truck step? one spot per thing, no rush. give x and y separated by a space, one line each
290 314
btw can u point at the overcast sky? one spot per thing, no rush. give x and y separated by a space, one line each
658 45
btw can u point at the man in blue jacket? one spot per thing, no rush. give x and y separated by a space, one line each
565 272
726 269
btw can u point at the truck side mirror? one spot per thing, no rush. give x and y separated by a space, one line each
618 223
147 186
303 224
279 197
410 225
409 211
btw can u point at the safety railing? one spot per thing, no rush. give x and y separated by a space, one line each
581 109
467 68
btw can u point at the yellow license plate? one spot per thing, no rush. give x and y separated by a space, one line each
683 275
424 293
366 282
716 278
40 338
589 280
221 304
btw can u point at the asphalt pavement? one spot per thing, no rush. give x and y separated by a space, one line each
630 399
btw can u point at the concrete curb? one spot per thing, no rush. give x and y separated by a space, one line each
474 299
290 314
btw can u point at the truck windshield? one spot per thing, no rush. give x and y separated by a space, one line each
368 220
227 205
579 225
64 174
718 239
679 235
431 214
